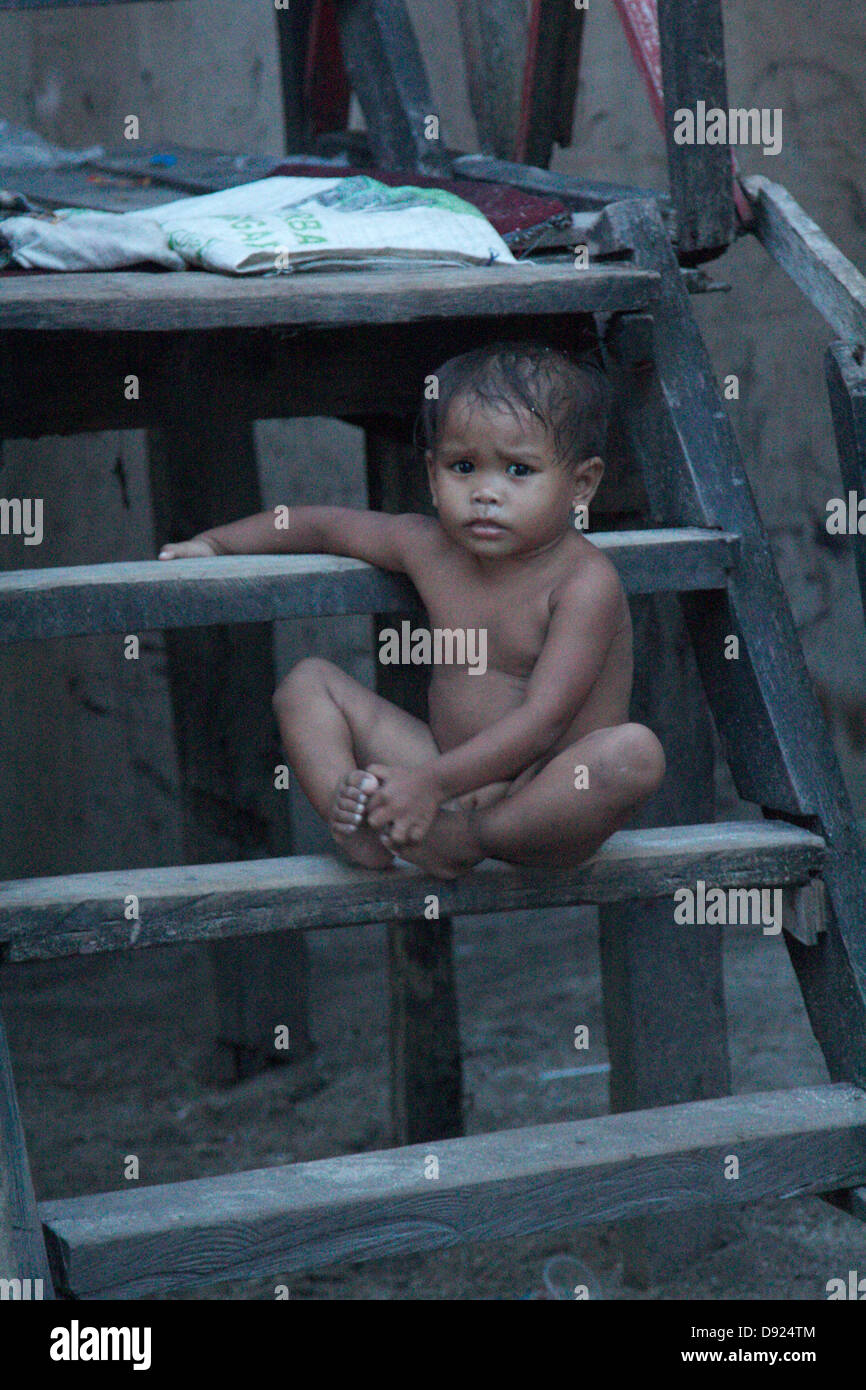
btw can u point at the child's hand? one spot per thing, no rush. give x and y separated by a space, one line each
404 806
187 550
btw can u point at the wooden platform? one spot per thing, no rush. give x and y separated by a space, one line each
272 1221
138 595
79 914
172 301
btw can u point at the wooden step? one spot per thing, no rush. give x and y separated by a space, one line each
138 595
273 1221
79 914
137 301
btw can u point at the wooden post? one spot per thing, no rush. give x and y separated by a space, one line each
202 473
426 1074
692 43
22 1248
662 984
846 385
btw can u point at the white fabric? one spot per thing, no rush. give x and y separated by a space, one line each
271 226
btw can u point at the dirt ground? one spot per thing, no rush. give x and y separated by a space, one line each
98 1081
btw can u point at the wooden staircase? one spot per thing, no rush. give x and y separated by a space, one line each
706 544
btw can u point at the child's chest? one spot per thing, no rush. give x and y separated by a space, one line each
514 620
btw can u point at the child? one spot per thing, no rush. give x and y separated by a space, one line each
532 759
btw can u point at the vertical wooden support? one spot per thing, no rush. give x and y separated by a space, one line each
426 1074
549 81
691 35
293 35
493 34
22 1248
777 744
663 987
203 472
846 385
387 74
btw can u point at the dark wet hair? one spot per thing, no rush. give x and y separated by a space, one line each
570 398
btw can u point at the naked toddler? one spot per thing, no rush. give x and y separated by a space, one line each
532 760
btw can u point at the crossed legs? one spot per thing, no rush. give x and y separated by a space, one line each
333 727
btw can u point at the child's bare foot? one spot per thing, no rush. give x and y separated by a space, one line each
450 847
346 822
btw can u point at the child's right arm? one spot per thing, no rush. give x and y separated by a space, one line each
377 537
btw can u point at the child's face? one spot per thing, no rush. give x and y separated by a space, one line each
497 484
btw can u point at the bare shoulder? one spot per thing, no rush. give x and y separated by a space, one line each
587 576
418 535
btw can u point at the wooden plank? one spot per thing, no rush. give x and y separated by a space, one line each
203 469
804 911
386 72
846 387
777 743
692 44
130 300
426 1073
79 914
549 81
583 195
827 278
22 1247
548 1177
494 35
662 988
143 594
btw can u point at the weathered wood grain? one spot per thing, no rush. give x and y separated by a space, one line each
22 1248
818 268
130 300
777 743
274 1221
579 194
83 913
691 37
846 387
133 596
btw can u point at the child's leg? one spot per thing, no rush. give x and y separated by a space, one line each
563 814
549 820
332 727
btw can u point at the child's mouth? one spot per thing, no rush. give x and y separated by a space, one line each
487 530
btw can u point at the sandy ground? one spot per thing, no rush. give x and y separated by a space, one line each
100 1079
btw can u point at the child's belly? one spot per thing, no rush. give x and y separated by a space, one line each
462 705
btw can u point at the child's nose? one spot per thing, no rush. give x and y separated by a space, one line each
485 493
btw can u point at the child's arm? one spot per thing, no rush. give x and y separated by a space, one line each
580 633
377 537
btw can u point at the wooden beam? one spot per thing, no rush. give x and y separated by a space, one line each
426 1072
583 195
22 1247
549 81
776 741
819 270
203 470
494 35
691 35
142 594
387 75
131 300
846 387
79 914
276 1221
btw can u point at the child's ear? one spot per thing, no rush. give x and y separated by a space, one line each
587 478
431 477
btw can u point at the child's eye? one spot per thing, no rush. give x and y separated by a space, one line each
525 469
462 465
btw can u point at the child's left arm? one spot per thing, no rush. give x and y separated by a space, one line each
580 633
